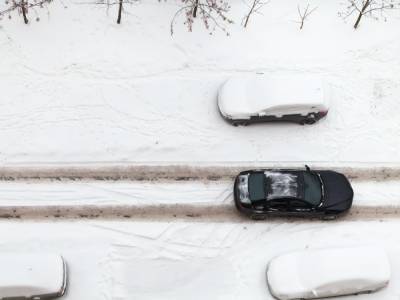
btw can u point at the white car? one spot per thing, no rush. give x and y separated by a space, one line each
310 274
32 276
260 98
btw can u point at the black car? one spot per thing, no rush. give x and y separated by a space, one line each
274 192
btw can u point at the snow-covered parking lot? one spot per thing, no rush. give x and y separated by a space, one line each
185 260
114 155
82 89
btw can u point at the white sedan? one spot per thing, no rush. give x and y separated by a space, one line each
310 274
32 276
260 98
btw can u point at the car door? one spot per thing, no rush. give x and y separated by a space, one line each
278 207
290 113
261 117
299 207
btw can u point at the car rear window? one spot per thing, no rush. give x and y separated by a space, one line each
312 189
257 186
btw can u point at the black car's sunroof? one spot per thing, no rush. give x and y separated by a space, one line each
257 186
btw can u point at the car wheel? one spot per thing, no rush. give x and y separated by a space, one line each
310 119
239 123
258 217
329 217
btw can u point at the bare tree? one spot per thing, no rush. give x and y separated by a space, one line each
368 8
213 14
110 3
304 13
22 7
253 8
120 9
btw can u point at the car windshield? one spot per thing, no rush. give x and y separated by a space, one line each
312 189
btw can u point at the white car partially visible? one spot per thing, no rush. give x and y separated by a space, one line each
311 274
259 98
32 276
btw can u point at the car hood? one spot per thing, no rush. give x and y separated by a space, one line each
232 100
338 193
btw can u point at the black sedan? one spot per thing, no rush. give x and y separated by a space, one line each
273 192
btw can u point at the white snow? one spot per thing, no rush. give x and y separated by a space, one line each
328 272
185 260
366 193
76 87
282 184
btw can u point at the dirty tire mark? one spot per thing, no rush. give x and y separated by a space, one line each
193 213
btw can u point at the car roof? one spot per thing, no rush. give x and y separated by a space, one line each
266 92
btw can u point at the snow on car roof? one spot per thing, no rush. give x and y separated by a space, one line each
281 185
264 92
334 272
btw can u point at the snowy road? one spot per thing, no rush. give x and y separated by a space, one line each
200 201
184 260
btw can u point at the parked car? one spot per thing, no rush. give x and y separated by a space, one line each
307 193
32 276
260 98
331 272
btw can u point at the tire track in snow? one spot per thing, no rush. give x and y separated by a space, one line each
170 212
176 172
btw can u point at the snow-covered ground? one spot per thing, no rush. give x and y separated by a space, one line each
97 193
76 87
164 201
185 260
